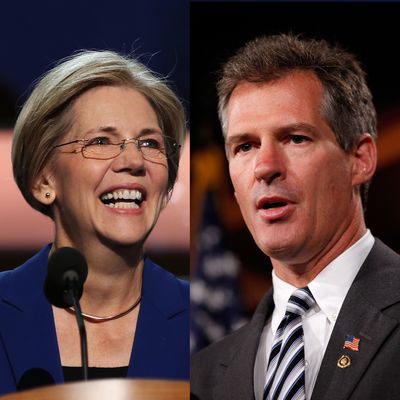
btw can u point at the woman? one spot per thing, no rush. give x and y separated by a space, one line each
96 148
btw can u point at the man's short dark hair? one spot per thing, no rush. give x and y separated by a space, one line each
347 104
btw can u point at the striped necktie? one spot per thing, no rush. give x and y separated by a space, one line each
285 373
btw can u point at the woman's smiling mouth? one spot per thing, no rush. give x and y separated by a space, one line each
123 198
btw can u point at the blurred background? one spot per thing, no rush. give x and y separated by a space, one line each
229 273
35 35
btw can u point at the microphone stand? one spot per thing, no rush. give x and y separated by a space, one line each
81 327
63 287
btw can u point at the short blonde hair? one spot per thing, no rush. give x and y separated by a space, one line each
46 115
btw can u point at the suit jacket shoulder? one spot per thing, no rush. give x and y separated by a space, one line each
224 370
370 312
161 349
28 345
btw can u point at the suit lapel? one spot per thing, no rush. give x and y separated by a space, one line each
161 339
361 315
28 331
31 346
237 382
366 323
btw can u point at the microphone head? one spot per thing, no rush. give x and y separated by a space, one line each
67 269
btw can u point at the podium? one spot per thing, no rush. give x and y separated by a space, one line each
107 389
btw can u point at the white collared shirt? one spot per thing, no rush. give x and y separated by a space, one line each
329 289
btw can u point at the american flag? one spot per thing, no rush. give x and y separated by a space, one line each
215 306
351 342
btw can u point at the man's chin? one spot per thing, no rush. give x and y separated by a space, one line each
281 249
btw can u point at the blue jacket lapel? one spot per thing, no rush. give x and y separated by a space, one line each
28 331
161 347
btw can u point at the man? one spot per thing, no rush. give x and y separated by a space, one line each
300 130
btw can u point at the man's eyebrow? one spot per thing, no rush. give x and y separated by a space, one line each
298 126
284 129
237 138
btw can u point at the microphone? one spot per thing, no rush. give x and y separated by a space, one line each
67 272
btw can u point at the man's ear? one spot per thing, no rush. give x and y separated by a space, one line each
43 189
365 159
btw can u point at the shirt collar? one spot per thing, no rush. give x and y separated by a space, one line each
330 286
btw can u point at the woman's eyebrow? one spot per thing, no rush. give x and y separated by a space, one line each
106 129
149 131
114 130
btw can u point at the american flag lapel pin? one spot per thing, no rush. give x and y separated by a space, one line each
351 342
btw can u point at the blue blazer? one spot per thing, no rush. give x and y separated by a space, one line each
28 343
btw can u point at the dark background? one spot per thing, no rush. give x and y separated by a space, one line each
35 34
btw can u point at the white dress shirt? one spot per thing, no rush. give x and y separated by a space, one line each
329 289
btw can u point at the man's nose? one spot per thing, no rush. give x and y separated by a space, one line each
269 163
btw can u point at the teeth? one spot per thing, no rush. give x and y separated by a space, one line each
123 194
122 205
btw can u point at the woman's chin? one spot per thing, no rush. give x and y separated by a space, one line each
124 239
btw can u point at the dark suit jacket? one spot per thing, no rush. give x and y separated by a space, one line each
28 343
371 311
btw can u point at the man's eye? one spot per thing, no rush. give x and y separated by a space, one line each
244 147
298 139
98 141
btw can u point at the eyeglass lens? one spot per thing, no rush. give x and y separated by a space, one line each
151 148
